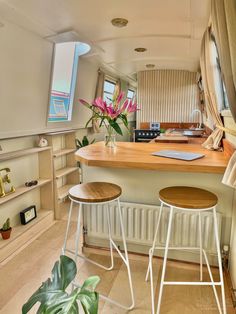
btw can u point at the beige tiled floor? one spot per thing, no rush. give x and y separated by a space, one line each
24 273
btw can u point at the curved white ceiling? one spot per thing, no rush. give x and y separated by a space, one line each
171 30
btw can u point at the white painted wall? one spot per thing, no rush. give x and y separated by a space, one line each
25 69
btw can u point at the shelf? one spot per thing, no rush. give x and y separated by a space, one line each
64 171
22 152
63 191
22 235
61 132
22 190
63 152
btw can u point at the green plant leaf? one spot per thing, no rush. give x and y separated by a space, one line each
53 297
125 120
116 127
85 141
91 283
78 143
89 301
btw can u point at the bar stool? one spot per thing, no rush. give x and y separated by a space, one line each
99 193
192 200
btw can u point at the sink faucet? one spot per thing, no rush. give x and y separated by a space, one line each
200 124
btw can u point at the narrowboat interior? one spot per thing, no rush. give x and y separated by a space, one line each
117 156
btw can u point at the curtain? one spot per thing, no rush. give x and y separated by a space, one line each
230 12
223 15
98 93
213 141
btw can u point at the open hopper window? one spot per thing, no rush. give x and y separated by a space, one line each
65 67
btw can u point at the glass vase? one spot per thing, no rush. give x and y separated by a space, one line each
110 138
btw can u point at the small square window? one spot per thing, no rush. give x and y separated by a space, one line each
130 94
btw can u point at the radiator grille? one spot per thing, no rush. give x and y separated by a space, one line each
140 221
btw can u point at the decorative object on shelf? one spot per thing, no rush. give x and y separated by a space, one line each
31 183
53 296
83 143
5 182
110 114
42 142
6 229
28 214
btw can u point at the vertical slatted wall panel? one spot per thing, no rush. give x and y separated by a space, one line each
167 96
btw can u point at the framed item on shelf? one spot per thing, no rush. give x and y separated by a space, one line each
28 214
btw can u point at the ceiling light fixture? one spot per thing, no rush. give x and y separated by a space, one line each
119 22
150 66
140 49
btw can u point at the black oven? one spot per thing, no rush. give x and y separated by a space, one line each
145 135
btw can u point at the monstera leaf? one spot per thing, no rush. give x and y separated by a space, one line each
53 297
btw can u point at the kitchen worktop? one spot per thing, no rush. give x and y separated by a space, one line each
138 156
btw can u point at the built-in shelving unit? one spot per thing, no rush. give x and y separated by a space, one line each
22 235
63 152
23 189
66 171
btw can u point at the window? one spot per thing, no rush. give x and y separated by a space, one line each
130 94
109 89
64 76
220 91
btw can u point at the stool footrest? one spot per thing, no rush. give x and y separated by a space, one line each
103 297
177 248
89 260
192 283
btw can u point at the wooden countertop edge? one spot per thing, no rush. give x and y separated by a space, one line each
154 166
96 156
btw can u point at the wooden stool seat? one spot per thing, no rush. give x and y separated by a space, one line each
188 197
95 192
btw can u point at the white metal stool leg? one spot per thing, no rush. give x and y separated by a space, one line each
219 260
112 245
67 228
78 233
200 243
165 259
110 237
151 251
126 258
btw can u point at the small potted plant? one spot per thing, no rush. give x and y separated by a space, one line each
6 229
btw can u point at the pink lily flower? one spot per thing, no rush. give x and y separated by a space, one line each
132 107
125 105
85 103
120 96
112 113
100 104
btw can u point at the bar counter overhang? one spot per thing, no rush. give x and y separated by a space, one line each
142 175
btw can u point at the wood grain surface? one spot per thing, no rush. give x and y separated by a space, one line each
188 197
138 156
95 192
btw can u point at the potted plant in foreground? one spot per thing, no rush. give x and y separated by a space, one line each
53 297
6 229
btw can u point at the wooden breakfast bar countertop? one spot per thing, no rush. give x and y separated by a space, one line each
130 155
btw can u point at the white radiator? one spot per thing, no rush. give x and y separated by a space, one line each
140 222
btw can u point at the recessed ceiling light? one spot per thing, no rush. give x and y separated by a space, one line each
150 66
119 22
140 49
